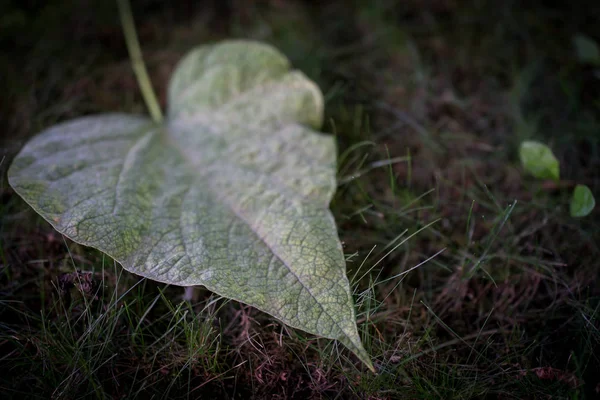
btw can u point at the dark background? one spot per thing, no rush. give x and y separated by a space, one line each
457 85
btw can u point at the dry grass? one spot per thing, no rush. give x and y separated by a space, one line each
470 278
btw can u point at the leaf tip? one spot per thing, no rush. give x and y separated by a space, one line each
370 366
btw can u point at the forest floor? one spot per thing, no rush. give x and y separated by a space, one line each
429 101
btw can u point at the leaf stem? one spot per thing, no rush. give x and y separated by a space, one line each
137 61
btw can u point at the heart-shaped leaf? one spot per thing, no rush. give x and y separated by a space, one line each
539 161
582 202
231 192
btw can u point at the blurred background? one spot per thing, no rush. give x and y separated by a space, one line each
429 101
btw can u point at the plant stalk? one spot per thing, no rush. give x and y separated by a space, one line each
137 61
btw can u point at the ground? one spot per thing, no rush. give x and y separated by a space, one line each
470 278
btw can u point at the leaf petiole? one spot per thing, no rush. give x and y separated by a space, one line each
137 61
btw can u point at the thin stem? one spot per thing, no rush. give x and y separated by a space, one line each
137 62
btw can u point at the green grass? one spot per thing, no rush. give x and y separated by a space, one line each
470 278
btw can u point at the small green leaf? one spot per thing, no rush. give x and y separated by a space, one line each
582 202
587 49
538 160
230 192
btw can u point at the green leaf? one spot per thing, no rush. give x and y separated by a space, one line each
587 49
538 160
582 202
231 192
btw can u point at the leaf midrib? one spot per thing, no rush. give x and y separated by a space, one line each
206 174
